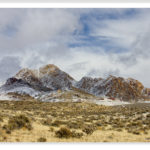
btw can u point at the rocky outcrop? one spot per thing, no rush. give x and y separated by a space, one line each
87 83
114 87
54 78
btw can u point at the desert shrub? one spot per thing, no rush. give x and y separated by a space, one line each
41 139
67 133
136 132
18 122
42 115
98 123
47 122
8 131
89 129
148 115
57 123
17 140
1 119
119 129
77 134
63 133
51 129
74 125
54 114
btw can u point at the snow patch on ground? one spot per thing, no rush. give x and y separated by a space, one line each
53 100
22 90
145 102
108 102
5 97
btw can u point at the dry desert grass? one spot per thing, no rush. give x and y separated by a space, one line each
34 121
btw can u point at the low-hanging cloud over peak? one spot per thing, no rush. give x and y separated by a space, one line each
82 42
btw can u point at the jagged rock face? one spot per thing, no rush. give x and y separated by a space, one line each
11 81
14 82
135 84
47 77
52 77
87 83
119 88
27 75
14 85
30 76
146 93
114 87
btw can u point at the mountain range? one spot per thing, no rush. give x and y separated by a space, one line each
49 83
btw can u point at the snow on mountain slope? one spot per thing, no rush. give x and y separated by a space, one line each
50 83
2 83
49 77
38 83
52 77
113 87
31 77
14 85
87 83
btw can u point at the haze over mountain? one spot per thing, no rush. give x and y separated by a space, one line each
49 80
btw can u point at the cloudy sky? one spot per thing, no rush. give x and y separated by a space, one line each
82 42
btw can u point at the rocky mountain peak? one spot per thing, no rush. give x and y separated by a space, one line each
48 69
114 87
136 84
27 75
87 83
50 78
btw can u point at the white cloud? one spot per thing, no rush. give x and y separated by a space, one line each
35 37
36 26
8 67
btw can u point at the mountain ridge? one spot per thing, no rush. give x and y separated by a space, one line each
49 79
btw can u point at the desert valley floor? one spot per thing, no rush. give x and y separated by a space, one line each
34 121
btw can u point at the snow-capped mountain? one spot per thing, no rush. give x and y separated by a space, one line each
49 82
